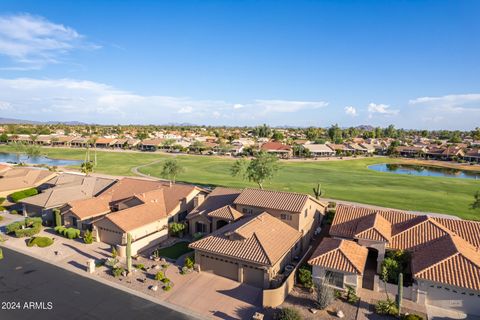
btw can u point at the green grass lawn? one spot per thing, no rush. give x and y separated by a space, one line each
345 180
175 251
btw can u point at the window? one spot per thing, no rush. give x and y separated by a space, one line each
334 278
285 216
306 213
200 227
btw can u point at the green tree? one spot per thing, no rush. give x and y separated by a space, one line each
335 133
58 217
277 136
260 169
87 167
476 202
171 169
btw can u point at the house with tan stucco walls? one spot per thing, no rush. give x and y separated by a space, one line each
243 228
22 178
140 207
444 255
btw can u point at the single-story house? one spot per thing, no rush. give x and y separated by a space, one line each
151 144
319 150
472 155
445 263
18 179
105 143
339 263
140 207
68 187
278 148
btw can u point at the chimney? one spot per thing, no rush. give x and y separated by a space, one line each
198 200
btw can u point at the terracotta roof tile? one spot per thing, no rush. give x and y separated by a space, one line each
227 213
341 255
253 239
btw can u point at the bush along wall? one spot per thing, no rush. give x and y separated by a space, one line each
70 233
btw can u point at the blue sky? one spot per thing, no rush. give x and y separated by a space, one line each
411 63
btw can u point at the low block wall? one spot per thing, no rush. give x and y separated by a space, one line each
408 292
272 298
144 243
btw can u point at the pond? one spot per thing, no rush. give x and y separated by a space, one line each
425 171
18 158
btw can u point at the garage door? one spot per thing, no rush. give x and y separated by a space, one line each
220 267
253 276
454 299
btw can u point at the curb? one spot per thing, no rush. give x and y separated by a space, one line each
110 284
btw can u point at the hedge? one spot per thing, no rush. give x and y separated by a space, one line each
19 195
40 242
70 233
32 227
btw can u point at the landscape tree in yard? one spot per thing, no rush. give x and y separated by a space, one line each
58 217
476 202
171 169
260 169
129 252
87 167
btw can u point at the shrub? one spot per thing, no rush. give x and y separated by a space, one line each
329 216
189 262
114 253
2 200
412 317
176 228
88 237
117 271
71 233
58 217
14 212
159 276
111 262
197 236
167 288
40 242
1 254
19 195
386 307
140 266
325 295
99 263
166 281
59 229
351 295
31 226
289 314
1 218
305 277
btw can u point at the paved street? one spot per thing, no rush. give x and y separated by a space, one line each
24 279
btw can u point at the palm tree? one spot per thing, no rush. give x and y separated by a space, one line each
171 169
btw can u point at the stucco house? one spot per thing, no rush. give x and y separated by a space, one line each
142 208
445 258
65 188
249 250
226 212
319 150
277 148
339 262
18 179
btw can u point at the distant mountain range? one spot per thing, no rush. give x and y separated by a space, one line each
21 121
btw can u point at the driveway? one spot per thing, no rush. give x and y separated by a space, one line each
217 297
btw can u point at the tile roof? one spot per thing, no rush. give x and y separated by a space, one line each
374 227
342 255
277 200
254 239
275 146
86 187
155 205
24 178
127 187
450 260
218 198
88 208
227 213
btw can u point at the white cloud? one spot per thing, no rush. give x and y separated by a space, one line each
382 109
5 105
351 111
450 103
289 105
238 106
93 102
33 41
186 109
